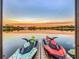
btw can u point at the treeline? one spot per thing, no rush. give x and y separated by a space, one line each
53 28
65 28
12 28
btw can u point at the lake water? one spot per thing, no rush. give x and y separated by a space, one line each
13 41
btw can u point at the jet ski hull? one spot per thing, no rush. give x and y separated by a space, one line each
29 55
58 54
53 55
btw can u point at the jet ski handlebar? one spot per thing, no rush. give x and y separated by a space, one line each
52 38
25 39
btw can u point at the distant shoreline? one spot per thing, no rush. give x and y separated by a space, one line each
18 28
47 30
41 32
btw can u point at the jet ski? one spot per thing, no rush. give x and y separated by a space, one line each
53 49
27 52
71 52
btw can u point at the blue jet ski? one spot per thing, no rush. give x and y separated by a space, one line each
27 52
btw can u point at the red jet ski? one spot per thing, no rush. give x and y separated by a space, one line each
53 49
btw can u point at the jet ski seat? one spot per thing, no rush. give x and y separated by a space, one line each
45 42
26 50
57 47
36 43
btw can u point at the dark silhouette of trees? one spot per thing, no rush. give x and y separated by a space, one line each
12 28
62 28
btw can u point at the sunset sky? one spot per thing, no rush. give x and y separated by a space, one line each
38 10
